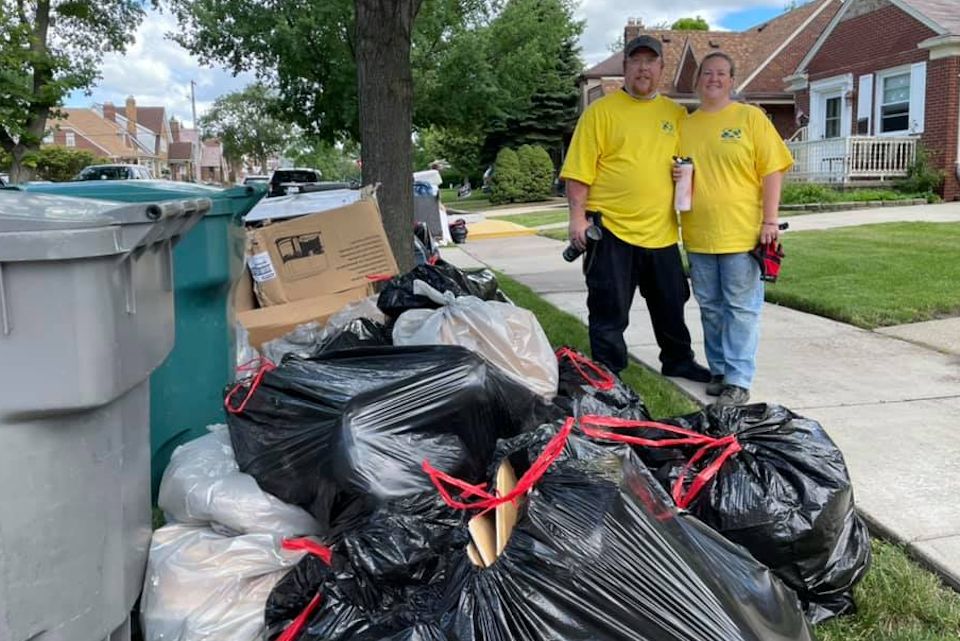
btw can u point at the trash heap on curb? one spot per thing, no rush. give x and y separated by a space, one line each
420 465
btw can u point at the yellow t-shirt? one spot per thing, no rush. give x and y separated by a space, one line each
733 150
623 148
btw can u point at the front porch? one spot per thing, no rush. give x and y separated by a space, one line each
864 160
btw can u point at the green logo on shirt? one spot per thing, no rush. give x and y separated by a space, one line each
731 134
666 127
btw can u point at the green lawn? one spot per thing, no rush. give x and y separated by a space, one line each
537 218
873 275
556 234
897 600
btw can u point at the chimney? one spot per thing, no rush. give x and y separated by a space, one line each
131 116
109 112
632 30
175 130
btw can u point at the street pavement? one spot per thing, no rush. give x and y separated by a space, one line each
890 398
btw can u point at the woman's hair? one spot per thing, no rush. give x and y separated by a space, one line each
716 54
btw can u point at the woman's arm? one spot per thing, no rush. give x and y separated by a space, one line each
772 184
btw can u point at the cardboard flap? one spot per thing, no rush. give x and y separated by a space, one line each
506 514
484 535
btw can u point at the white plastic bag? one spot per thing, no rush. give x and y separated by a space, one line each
204 586
510 337
203 485
304 339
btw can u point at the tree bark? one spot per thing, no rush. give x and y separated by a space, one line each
385 79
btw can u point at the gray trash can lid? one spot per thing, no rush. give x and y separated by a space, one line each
37 227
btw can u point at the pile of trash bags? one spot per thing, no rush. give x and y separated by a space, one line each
425 467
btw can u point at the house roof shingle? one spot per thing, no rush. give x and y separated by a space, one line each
749 49
104 133
180 151
150 117
945 13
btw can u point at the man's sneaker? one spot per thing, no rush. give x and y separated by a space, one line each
689 370
733 395
715 386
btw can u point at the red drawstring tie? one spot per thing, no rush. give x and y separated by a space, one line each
604 381
292 631
488 500
262 366
689 437
700 481
682 496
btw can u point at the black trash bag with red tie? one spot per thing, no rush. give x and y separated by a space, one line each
587 387
772 481
598 553
397 295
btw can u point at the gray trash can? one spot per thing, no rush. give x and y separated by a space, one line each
86 314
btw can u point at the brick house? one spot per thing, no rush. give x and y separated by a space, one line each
882 77
149 126
213 166
764 54
87 129
184 154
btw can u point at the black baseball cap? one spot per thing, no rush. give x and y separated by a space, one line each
643 42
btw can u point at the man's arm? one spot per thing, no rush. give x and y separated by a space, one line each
577 201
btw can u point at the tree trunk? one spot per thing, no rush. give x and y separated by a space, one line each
384 31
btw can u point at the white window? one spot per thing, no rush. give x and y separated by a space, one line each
48 139
71 139
901 100
832 118
895 103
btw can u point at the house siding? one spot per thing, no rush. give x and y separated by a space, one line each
878 40
941 116
868 41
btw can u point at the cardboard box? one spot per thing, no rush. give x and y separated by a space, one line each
267 323
324 253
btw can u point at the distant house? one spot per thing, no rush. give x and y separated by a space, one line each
149 126
882 77
763 54
87 129
185 153
213 166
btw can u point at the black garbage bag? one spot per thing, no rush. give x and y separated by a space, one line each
775 483
341 431
587 387
397 295
599 554
391 577
360 332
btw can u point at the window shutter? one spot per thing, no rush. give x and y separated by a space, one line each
918 96
865 101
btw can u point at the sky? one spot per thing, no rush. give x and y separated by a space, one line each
158 72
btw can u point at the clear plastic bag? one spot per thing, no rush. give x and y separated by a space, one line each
204 586
510 337
204 486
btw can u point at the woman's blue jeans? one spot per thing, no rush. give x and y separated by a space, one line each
730 294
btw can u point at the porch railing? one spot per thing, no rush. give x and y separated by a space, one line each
840 160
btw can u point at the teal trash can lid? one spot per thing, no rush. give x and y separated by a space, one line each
45 227
229 201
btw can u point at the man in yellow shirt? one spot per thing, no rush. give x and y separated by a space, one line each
617 174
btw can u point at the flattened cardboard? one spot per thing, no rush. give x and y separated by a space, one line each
484 535
474 555
323 253
267 323
506 514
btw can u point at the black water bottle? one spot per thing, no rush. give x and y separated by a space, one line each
571 253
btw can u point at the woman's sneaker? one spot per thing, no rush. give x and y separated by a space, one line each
715 386
733 395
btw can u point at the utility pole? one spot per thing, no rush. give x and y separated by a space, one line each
193 103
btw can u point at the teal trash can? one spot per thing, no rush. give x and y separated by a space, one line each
187 390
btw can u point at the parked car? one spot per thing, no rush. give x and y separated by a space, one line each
255 178
290 180
114 172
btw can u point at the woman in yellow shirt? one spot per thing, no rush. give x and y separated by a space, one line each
739 160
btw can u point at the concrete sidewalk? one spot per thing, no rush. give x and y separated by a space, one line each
890 399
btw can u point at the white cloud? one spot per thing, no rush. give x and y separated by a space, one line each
157 72
605 19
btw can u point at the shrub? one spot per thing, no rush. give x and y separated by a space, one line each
60 163
507 179
536 170
922 176
804 193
